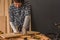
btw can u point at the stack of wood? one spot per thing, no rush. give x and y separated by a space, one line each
31 35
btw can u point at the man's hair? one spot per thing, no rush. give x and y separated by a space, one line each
18 1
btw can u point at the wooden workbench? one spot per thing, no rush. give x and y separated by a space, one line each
18 36
9 36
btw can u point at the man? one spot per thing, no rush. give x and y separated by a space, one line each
19 13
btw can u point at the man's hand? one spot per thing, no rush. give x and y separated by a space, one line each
24 31
25 25
13 28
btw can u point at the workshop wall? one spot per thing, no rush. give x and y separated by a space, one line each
45 13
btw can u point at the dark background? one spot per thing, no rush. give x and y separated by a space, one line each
45 13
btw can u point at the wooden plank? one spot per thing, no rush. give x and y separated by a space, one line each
25 36
43 37
7 14
2 4
32 32
10 35
3 24
3 7
17 39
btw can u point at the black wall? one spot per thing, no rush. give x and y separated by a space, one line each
45 13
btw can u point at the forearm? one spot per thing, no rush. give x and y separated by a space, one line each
13 27
26 21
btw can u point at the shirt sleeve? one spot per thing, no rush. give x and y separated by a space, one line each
27 8
10 14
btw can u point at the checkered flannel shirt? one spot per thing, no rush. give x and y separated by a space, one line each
17 15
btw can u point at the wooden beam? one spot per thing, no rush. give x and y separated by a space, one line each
2 8
3 24
7 14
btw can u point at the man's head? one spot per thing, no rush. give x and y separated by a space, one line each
18 3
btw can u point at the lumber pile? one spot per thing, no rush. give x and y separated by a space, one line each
31 35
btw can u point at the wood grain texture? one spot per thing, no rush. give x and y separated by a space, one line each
10 35
3 24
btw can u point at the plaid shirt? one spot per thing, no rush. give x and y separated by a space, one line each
17 15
